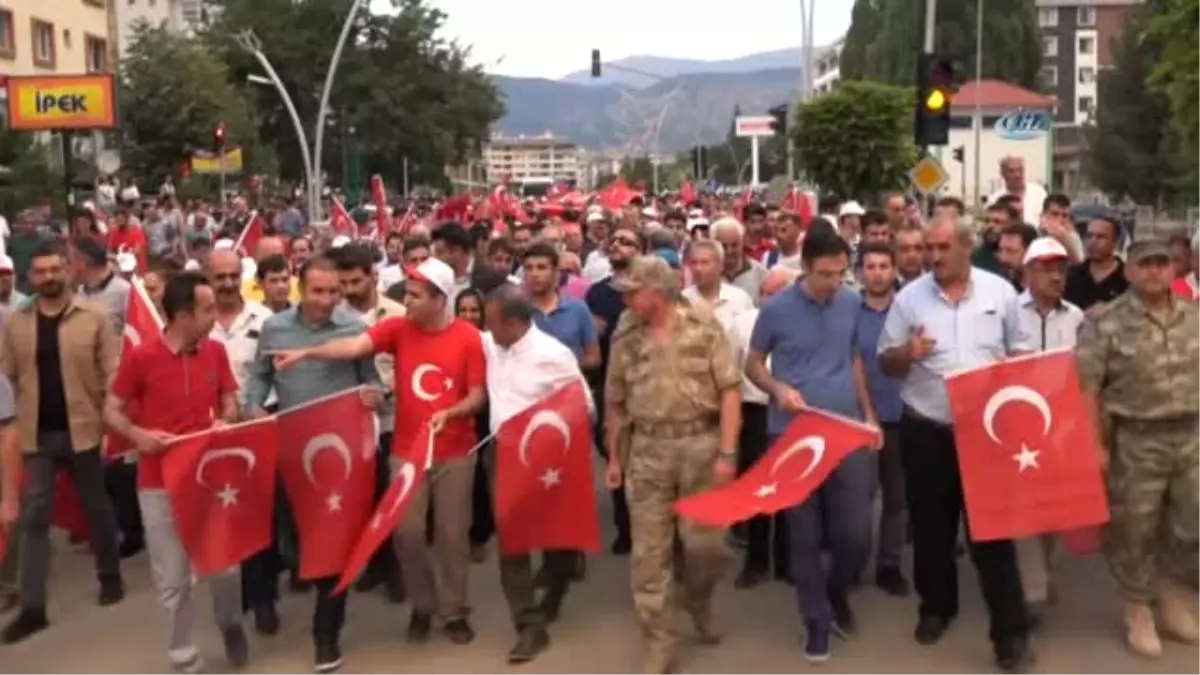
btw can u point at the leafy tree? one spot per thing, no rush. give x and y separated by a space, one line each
173 93
856 140
1134 150
26 176
1175 28
407 92
1012 43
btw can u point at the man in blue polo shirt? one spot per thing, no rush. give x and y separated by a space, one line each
568 320
809 332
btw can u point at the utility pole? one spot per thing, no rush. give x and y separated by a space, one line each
930 26
977 118
807 8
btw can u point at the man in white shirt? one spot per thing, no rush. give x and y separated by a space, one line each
709 289
1029 195
524 366
765 535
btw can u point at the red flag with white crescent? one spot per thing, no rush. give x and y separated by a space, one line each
545 497
327 466
406 480
1027 447
221 483
142 323
804 455
339 219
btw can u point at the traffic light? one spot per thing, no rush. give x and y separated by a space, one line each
219 137
703 162
960 153
780 113
595 63
934 90
695 154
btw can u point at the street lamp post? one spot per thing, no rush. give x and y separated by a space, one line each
323 110
807 8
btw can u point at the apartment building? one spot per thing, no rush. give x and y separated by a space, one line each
56 37
827 73
536 158
129 13
1077 43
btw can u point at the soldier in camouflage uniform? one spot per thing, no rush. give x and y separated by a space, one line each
673 381
1138 358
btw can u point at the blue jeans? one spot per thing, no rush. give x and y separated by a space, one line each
839 513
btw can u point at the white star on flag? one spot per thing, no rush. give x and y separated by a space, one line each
1026 459
766 490
228 495
334 502
551 478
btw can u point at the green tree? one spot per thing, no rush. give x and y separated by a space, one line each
1012 42
1175 28
407 92
26 176
173 93
1134 150
856 140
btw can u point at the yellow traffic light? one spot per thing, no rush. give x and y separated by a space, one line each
936 101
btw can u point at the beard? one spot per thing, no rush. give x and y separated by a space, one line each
51 289
619 263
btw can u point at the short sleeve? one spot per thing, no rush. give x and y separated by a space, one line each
1091 356
762 337
127 383
385 334
726 373
476 361
896 328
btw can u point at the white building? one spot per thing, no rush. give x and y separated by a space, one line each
537 158
168 13
827 73
996 99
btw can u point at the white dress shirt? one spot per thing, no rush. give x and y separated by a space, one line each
739 339
241 342
731 302
1056 330
528 371
1031 202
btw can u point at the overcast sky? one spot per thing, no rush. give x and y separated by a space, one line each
547 38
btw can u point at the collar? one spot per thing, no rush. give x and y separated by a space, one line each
1026 300
1176 307
103 283
528 341
868 307
31 304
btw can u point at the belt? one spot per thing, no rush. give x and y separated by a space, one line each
1151 425
675 428
909 411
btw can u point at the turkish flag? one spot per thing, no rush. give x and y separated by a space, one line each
339 219
221 483
687 193
617 194
141 323
379 197
255 230
1026 447
405 481
545 496
796 465
327 463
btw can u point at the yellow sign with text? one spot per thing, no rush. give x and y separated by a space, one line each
204 162
40 103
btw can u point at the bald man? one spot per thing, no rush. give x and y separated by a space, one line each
252 289
765 535
269 246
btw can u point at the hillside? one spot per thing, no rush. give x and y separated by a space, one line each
700 108
667 67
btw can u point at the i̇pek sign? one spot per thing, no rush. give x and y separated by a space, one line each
41 103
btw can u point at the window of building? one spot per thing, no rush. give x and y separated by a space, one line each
1050 46
1087 105
1049 76
97 54
1085 16
8 41
1087 45
1087 75
1047 17
44 52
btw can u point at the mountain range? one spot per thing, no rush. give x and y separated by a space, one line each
692 103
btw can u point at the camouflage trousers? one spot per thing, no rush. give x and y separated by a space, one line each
659 471
1154 533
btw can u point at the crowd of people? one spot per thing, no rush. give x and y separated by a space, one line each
700 328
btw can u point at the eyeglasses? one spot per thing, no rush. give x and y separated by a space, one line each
625 241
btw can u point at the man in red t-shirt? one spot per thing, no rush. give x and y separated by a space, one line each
178 383
440 382
125 236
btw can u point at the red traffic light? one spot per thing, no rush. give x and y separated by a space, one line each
219 133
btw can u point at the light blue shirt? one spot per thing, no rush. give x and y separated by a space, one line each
981 328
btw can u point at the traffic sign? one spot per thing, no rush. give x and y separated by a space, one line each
928 175
750 126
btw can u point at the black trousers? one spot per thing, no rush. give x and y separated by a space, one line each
260 572
329 614
619 502
483 521
935 507
120 480
766 536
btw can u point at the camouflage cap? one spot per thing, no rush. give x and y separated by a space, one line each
649 271
1148 247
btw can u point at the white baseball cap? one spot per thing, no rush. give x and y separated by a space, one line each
126 263
223 244
435 272
192 265
339 241
6 263
1045 248
851 208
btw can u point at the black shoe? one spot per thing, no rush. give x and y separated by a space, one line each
892 581
530 643
783 577
131 547
112 591
479 553
551 605
329 658
1013 654
579 567
459 632
369 581
393 588
419 627
930 629
749 577
237 650
28 622
621 546
844 623
266 619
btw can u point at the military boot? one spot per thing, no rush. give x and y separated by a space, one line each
1174 610
1140 632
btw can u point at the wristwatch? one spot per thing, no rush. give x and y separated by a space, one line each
727 454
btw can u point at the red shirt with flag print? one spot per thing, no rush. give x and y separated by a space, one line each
176 392
434 371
